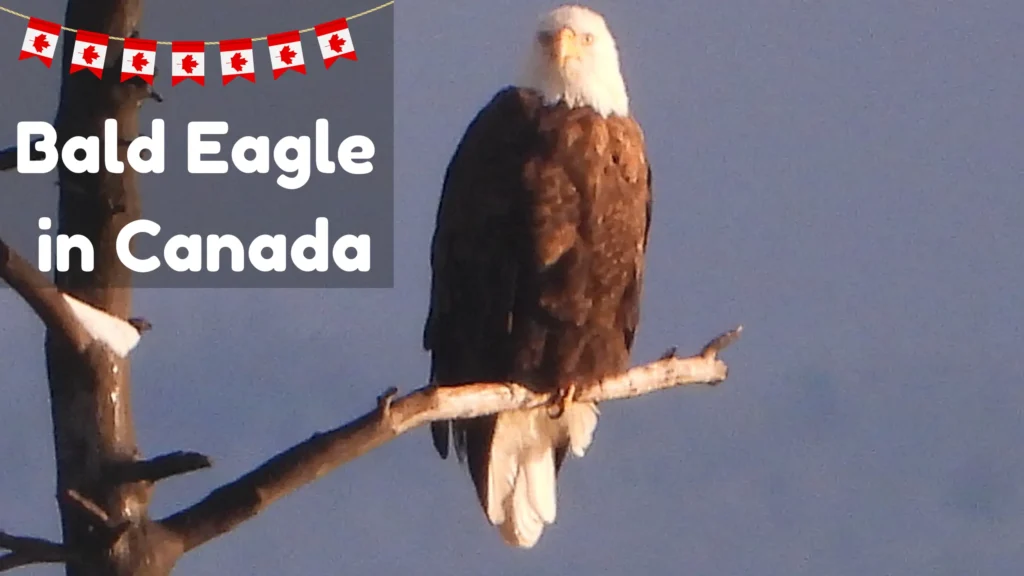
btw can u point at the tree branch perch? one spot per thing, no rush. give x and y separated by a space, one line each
42 295
25 551
231 504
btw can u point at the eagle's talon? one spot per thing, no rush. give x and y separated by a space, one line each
566 396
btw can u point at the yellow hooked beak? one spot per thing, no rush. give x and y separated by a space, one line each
565 45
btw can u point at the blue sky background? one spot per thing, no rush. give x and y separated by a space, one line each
843 178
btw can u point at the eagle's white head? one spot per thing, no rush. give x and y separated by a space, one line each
574 60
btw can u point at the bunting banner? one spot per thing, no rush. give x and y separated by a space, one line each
188 61
188 58
139 59
90 52
40 41
286 53
335 41
236 60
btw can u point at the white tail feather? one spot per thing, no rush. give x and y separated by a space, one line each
521 482
582 421
502 472
524 521
120 336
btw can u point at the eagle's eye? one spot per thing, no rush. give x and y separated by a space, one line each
588 39
545 38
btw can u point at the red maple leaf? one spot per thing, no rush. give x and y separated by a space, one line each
336 43
188 64
139 61
90 54
287 55
237 61
39 43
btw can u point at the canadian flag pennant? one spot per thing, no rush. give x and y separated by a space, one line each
236 60
335 41
40 41
188 61
286 53
139 59
90 52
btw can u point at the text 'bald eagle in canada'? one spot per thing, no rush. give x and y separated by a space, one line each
538 261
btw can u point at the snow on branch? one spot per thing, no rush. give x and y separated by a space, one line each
230 505
80 323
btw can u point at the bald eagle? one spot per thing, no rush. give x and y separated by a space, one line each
538 263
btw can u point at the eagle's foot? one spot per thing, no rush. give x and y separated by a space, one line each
566 396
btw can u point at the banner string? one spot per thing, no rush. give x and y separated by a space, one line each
208 43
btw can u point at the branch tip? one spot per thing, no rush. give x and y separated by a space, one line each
160 467
721 342
17 543
141 324
26 550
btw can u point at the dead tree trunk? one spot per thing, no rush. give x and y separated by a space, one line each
107 524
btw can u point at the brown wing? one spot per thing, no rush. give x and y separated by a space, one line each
476 249
630 308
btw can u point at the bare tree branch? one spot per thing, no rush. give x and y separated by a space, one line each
9 156
44 298
160 467
231 504
25 551
74 320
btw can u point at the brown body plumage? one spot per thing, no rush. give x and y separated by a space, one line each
538 260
